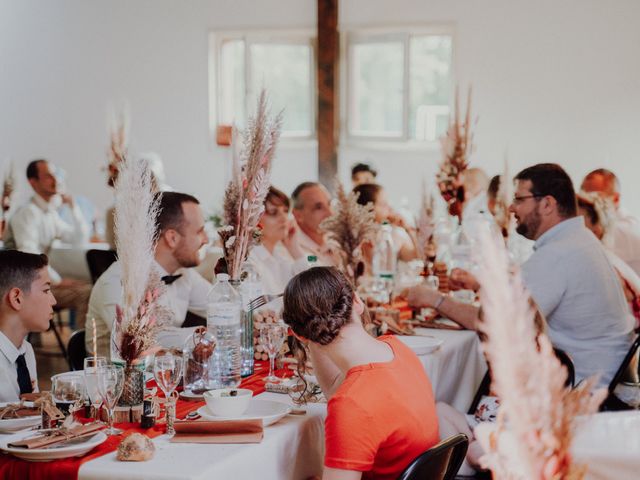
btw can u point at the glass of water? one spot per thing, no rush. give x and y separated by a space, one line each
91 367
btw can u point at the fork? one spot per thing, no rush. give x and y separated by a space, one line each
262 300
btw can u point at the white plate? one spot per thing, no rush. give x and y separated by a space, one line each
266 410
10 425
53 453
421 345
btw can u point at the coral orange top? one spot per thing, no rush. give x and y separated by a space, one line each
382 416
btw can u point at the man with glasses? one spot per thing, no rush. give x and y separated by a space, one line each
569 277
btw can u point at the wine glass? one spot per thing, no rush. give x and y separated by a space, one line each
110 384
272 336
167 369
91 366
66 390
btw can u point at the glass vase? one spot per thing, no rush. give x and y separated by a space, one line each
133 387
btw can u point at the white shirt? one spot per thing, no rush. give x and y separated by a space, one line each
323 252
277 268
187 293
9 389
578 291
34 227
625 239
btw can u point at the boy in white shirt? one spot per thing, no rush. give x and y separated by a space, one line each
26 305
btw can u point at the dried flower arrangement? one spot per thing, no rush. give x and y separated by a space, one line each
118 125
348 228
8 187
244 197
536 407
136 208
503 200
457 146
425 226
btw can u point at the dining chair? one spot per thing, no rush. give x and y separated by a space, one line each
440 462
76 350
628 371
98 262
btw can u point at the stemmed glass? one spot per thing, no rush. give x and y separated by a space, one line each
66 390
272 337
91 367
167 369
110 384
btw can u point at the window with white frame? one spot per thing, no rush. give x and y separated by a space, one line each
283 63
398 85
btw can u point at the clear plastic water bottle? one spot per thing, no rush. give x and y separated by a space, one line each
384 255
223 321
249 289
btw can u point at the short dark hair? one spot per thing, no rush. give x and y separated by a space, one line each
295 196
494 187
363 167
32 168
551 179
367 193
276 196
171 214
19 269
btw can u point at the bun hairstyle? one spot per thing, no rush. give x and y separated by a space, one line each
318 303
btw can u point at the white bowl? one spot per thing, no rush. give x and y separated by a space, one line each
222 405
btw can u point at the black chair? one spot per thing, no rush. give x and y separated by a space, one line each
485 385
628 371
193 320
440 462
76 350
99 261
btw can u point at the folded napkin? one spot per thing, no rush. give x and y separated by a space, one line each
58 436
18 410
223 431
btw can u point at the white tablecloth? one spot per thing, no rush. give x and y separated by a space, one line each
608 443
294 447
456 368
291 449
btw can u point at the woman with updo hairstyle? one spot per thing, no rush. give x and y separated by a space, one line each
403 243
278 257
381 410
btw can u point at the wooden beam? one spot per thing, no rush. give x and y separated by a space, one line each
328 53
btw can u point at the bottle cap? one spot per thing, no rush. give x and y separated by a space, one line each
312 258
222 277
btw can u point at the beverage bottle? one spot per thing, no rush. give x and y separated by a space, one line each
223 321
312 261
384 255
249 289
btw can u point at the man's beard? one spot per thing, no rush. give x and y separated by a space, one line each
187 261
529 225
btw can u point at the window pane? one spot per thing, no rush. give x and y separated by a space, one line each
377 73
232 87
429 86
285 71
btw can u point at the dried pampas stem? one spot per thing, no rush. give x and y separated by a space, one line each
536 407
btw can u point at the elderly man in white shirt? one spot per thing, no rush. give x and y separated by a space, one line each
569 276
311 205
180 225
26 305
34 227
624 239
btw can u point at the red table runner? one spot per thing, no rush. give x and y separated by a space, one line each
14 468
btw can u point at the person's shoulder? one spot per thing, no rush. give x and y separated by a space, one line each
27 210
113 274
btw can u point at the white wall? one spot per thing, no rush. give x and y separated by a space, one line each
553 81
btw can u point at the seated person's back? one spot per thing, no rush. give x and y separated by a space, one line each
381 410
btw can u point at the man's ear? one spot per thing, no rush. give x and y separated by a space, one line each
616 198
170 238
548 205
16 298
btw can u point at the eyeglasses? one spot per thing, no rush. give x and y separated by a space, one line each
518 200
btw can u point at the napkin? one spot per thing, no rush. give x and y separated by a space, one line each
222 431
59 436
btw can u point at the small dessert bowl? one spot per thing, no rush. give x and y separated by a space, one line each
228 402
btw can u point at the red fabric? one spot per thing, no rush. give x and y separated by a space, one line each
382 416
14 468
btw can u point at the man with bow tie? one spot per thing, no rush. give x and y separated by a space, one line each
181 234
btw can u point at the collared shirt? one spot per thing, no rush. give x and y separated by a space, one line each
625 239
34 227
187 293
324 253
578 291
9 389
277 268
